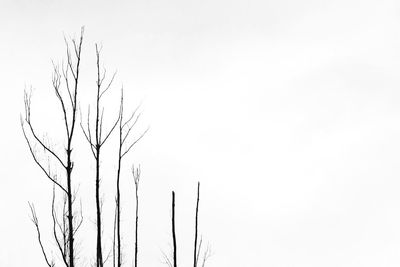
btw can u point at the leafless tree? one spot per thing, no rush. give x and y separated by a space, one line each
197 245
68 104
67 219
173 231
171 261
125 146
196 225
136 178
96 143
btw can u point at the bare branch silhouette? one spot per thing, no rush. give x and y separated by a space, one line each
36 223
63 230
96 142
167 260
124 131
206 255
66 208
37 161
69 122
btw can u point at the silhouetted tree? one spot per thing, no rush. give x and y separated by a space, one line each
172 261
197 248
136 179
68 104
173 231
66 220
196 225
96 143
124 147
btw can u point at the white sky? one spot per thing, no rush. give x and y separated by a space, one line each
286 111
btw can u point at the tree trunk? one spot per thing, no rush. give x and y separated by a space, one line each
173 229
98 212
119 210
70 211
195 228
136 224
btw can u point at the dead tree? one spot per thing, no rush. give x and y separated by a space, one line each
67 222
197 248
68 104
96 143
172 261
196 225
173 231
125 146
136 178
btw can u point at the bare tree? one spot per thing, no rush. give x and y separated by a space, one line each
196 225
66 221
197 248
96 143
173 231
136 178
68 104
171 261
125 146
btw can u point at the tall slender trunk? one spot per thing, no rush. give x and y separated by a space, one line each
98 212
119 206
114 230
70 211
136 224
98 147
196 224
69 152
173 229
67 228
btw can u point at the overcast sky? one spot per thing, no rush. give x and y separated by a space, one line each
288 112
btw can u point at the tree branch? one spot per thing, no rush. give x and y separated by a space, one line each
37 162
137 140
28 121
35 221
56 86
55 223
